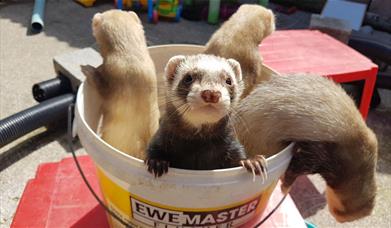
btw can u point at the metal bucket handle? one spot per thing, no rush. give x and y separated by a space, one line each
70 140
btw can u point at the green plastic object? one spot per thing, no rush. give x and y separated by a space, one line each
213 12
263 2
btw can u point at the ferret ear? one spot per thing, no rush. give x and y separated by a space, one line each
134 15
97 19
236 68
88 70
96 22
172 65
93 76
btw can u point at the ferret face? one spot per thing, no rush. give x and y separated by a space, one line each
203 87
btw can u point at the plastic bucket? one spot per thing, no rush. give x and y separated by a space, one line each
181 198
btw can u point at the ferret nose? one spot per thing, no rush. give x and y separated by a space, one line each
211 96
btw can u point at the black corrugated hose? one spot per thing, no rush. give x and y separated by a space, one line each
32 118
51 88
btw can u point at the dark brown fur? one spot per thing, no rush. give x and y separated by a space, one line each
211 147
331 138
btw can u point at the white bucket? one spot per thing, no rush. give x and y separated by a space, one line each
181 198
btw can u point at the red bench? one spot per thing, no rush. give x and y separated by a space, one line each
311 51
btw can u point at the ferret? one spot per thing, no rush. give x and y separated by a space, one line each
195 131
126 81
331 138
239 37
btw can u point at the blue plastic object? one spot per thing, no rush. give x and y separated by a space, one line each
150 11
119 4
309 225
178 13
37 17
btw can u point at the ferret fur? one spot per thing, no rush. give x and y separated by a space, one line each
126 81
331 138
239 37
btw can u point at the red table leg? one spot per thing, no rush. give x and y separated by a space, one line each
366 97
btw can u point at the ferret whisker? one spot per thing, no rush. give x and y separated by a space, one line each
168 101
183 109
183 90
170 114
162 87
235 116
241 120
230 121
187 108
176 111
172 93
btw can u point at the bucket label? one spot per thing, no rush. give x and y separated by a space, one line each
156 216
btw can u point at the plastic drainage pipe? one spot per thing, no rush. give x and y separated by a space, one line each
51 88
32 118
38 14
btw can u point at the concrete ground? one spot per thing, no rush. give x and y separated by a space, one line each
26 58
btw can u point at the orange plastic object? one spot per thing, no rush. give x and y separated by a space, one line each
311 51
58 197
86 3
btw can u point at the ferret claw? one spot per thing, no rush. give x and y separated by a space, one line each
250 168
263 161
157 167
259 169
257 166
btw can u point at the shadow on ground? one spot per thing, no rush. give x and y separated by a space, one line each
59 23
54 132
307 197
379 121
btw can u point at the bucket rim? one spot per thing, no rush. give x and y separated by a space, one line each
274 162
196 46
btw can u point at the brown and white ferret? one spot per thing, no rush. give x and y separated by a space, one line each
195 131
126 81
331 138
239 37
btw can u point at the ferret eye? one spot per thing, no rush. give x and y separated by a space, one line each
188 79
228 81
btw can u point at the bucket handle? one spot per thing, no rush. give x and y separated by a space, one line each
71 135
70 138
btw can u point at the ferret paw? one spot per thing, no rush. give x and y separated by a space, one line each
257 166
157 167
